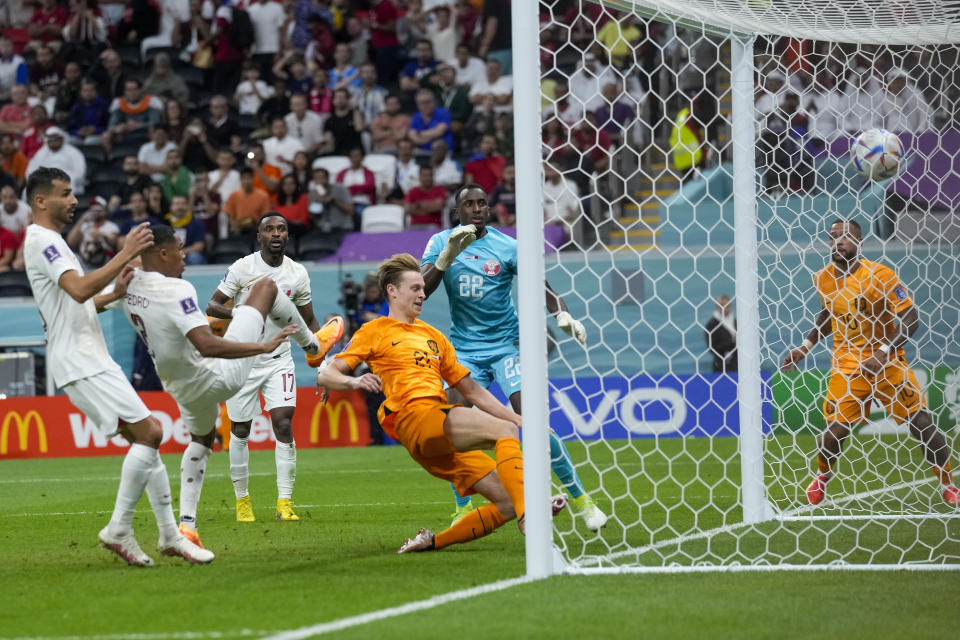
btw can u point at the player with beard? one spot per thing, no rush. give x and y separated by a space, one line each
871 317
486 328
274 373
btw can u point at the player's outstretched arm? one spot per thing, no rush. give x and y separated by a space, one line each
119 289
570 325
335 376
821 329
485 401
211 346
217 307
82 288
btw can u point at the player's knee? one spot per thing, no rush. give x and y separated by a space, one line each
265 286
506 508
240 429
153 434
283 430
508 430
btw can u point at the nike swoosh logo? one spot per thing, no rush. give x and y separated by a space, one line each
288 399
396 343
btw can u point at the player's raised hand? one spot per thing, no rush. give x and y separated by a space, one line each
573 327
368 382
794 357
270 345
126 275
459 240
138 240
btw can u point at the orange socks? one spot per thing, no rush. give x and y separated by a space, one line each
823 465
510 470
476 524
944 474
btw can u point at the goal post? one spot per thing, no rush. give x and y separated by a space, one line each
690 150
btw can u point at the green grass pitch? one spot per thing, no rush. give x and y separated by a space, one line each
358 505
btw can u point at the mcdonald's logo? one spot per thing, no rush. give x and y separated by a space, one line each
333 419
23 430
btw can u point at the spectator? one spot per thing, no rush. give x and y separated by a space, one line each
389 127
494 87
94 237
408 171
383 38
133 114
88 117
252 92
319 51
429 123
221 128
568 111
10 249
225 179
267 17
330 204
442 32
411 27
358 39
14 162
343 75
687 152
137 213
495 40
424 203
303 124
369 97
46 24
109 75
303 12
280 148
266 177
616 115
175 119
14 213
485 167
67 92
157 206
17 115
503 200
173 13
56 152
343 129
45 73
825 103
292 204
188 229
374 304
227 57
153 155
164 83
416 72
452 97
177 179
85 35
785 150
13 68
246 205
205 204
905 108
770 96
721 335
446 172
470 69
134 182
359 180
35 135
586 83
320 95
301 170
195 147
468 20
561 200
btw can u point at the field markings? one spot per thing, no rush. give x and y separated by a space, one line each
306 472
332 505
173 635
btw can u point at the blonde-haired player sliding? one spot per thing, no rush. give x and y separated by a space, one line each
409 361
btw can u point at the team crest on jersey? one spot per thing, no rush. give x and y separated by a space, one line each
901 292
433 346
188 306
491 267
51 253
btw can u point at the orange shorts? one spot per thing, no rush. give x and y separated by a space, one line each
895 387
419 428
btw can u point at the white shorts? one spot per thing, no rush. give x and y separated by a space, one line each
228 376
275 379
108 400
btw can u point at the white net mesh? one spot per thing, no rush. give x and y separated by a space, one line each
637 115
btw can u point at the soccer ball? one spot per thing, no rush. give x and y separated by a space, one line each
876 154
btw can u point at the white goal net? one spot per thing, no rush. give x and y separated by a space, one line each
696 151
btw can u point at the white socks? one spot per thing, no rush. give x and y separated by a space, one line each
286 457
136 469
192 468
284 312
158 491
239 466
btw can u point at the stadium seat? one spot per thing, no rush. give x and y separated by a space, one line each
14 284
333 164
382 218
129 55
229 250
92 152
316 247
150 54
384 167
106 173
195 78
126 148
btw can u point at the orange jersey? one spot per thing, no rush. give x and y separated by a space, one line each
863 308
412 360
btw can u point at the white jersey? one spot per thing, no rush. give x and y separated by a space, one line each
163 310
292 281
75 343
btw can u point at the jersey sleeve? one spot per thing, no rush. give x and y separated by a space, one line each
450 368
894 292
817 277
56 260
230 285
432 252
301 292
186 314
359 348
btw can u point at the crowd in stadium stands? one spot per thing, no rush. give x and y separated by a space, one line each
207 114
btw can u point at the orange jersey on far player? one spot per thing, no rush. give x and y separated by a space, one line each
863 308
412 360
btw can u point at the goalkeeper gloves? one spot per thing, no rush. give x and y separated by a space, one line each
459 240
572 327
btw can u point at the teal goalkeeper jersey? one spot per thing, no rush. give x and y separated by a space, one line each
479 284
